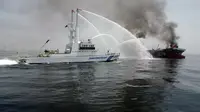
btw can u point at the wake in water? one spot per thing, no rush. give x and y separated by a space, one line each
7 62
139 86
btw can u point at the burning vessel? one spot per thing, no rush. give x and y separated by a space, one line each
172 51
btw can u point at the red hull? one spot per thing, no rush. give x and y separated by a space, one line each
175 56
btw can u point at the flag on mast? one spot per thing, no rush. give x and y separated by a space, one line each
47 41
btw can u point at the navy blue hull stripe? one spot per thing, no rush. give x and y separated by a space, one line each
109 58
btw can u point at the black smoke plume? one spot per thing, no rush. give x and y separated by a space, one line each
147 18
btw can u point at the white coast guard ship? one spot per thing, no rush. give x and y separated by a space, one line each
76 51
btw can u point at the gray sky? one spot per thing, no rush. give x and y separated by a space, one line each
23 28
27 24
187 14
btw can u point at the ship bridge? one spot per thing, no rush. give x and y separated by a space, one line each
86 45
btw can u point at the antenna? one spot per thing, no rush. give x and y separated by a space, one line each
77 22
44 45
71 30
72 25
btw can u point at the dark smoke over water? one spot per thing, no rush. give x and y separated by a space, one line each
32 22
146 17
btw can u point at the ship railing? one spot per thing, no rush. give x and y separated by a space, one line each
113 54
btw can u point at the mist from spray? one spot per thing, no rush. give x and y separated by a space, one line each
107 36
118 34
97 31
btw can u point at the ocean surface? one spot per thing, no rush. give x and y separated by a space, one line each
123 86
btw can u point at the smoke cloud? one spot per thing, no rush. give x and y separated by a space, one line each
31 22
147 18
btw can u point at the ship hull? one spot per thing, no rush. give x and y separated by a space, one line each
65 58
169 53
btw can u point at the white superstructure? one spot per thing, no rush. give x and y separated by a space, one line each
76 51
